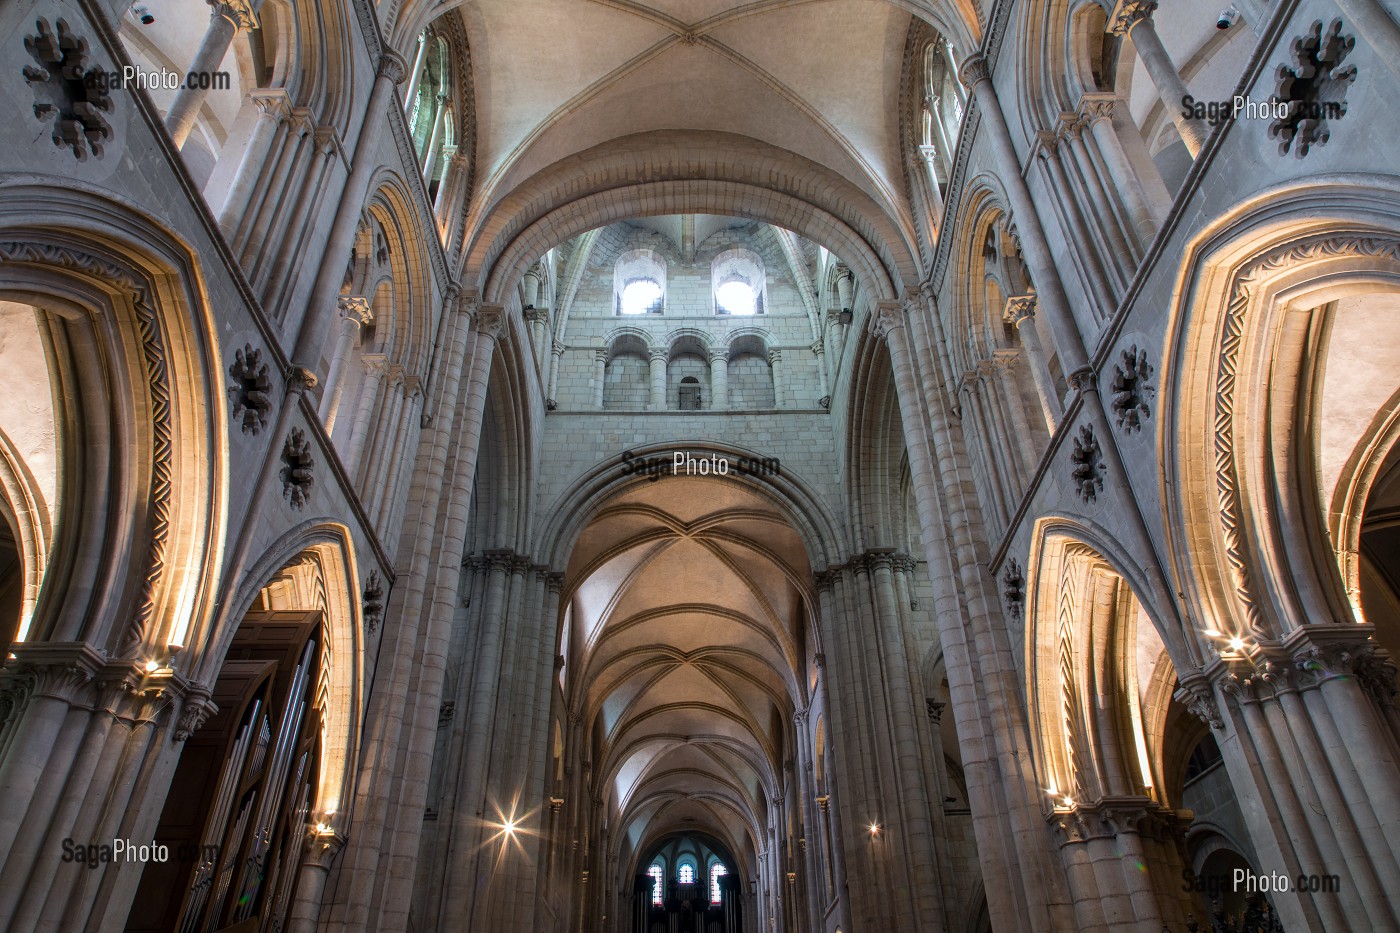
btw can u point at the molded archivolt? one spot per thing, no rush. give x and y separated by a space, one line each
635 177
313 567
1091 650
1274 463
133 366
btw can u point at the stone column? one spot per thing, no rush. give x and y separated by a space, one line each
551 399
538 319
1134 19
352 199
416 74
836 340
321 851
225 19
935 106
845 287
819 351
430 155
657 358
273 107
375 876
1103 291
1098 111
1301 722
982 675
947 51
530 287
775 363
1035 246
719 378
375 366
600 374
449 158
1020 313
354 312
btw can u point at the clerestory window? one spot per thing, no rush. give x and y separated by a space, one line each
639 282
655 873
738 279
717 871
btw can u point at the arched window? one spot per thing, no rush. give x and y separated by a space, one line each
717 871
738 280
942 109
689 394
639 282
655 872
685 874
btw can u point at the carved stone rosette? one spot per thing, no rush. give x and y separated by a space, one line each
1087 466
250 389
66 90
1314 89
372 607
296 474
1013 588
1132 390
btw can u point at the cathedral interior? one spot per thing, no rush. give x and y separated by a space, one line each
699 466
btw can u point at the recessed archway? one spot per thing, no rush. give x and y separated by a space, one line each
689 630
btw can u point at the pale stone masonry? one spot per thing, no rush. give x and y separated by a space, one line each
1026 561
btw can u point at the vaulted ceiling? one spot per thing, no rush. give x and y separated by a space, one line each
815 78
687 621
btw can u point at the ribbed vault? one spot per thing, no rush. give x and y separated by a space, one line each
688 609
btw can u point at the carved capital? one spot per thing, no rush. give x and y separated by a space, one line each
1097 106
888 317
195 712
271 102
489 320
1019 309
323 844
974 71
1198 697
1327 652
391 66
300 379
1129 13
238 12
355 309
